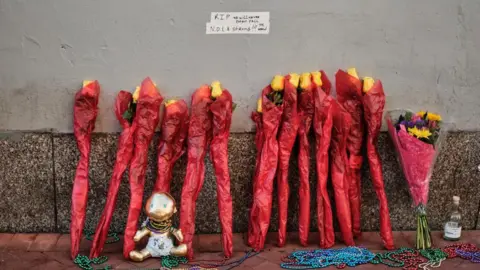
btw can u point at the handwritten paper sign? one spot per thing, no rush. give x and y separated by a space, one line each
239 23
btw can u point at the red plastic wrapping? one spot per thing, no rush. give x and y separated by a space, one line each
322 125
373 104
85 112
199 134
305 112
286 139
171 143
339 170
349 95
259 140
146 120
262 197
124 154
221 110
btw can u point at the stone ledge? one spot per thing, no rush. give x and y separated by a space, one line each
31 205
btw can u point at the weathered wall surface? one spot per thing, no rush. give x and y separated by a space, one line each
425 52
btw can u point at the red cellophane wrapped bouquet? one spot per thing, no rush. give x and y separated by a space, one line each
269 112
286 139
210 120
322 125
171 144
125 105
146 120
84 115
364 100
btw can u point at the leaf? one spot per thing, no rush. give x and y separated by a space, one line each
408 116
129 114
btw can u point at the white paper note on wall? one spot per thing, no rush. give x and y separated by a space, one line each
238 23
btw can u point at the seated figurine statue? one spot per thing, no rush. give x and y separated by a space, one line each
160 208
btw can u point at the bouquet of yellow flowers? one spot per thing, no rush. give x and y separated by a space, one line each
417 137
270 106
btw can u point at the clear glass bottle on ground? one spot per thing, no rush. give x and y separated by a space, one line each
453 227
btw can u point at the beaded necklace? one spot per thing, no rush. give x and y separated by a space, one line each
463 250
85 263
321 258
159 227
435 258
407 258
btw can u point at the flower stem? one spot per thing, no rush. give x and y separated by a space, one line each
417 236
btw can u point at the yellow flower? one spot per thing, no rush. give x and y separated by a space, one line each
294 79
278 83
136 94
352 72
419 133
85 83
434 117
421 113
430 116
305 80
317 78
367 84
170 102
216 89
259 105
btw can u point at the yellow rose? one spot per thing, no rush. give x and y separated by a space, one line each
170 102
317 78
259 105
352 72
85 83
434 117
305 80
367 84
217 90
278 83
136 94
294 79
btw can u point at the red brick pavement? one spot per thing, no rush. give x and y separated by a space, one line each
51 251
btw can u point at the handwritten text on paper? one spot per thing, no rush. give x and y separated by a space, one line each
239 23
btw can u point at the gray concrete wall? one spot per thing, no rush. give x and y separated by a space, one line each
425 52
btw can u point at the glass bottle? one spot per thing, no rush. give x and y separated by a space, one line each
453 227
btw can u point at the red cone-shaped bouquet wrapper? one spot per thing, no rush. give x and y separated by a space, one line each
339 170
262 198
322 125
124 154
286 139
146 120
199 134
373 104
221 110
306 109
259 140
349 95
84 115
171 145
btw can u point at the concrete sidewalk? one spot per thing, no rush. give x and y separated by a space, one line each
51 251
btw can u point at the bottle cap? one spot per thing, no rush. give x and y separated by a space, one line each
456 199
